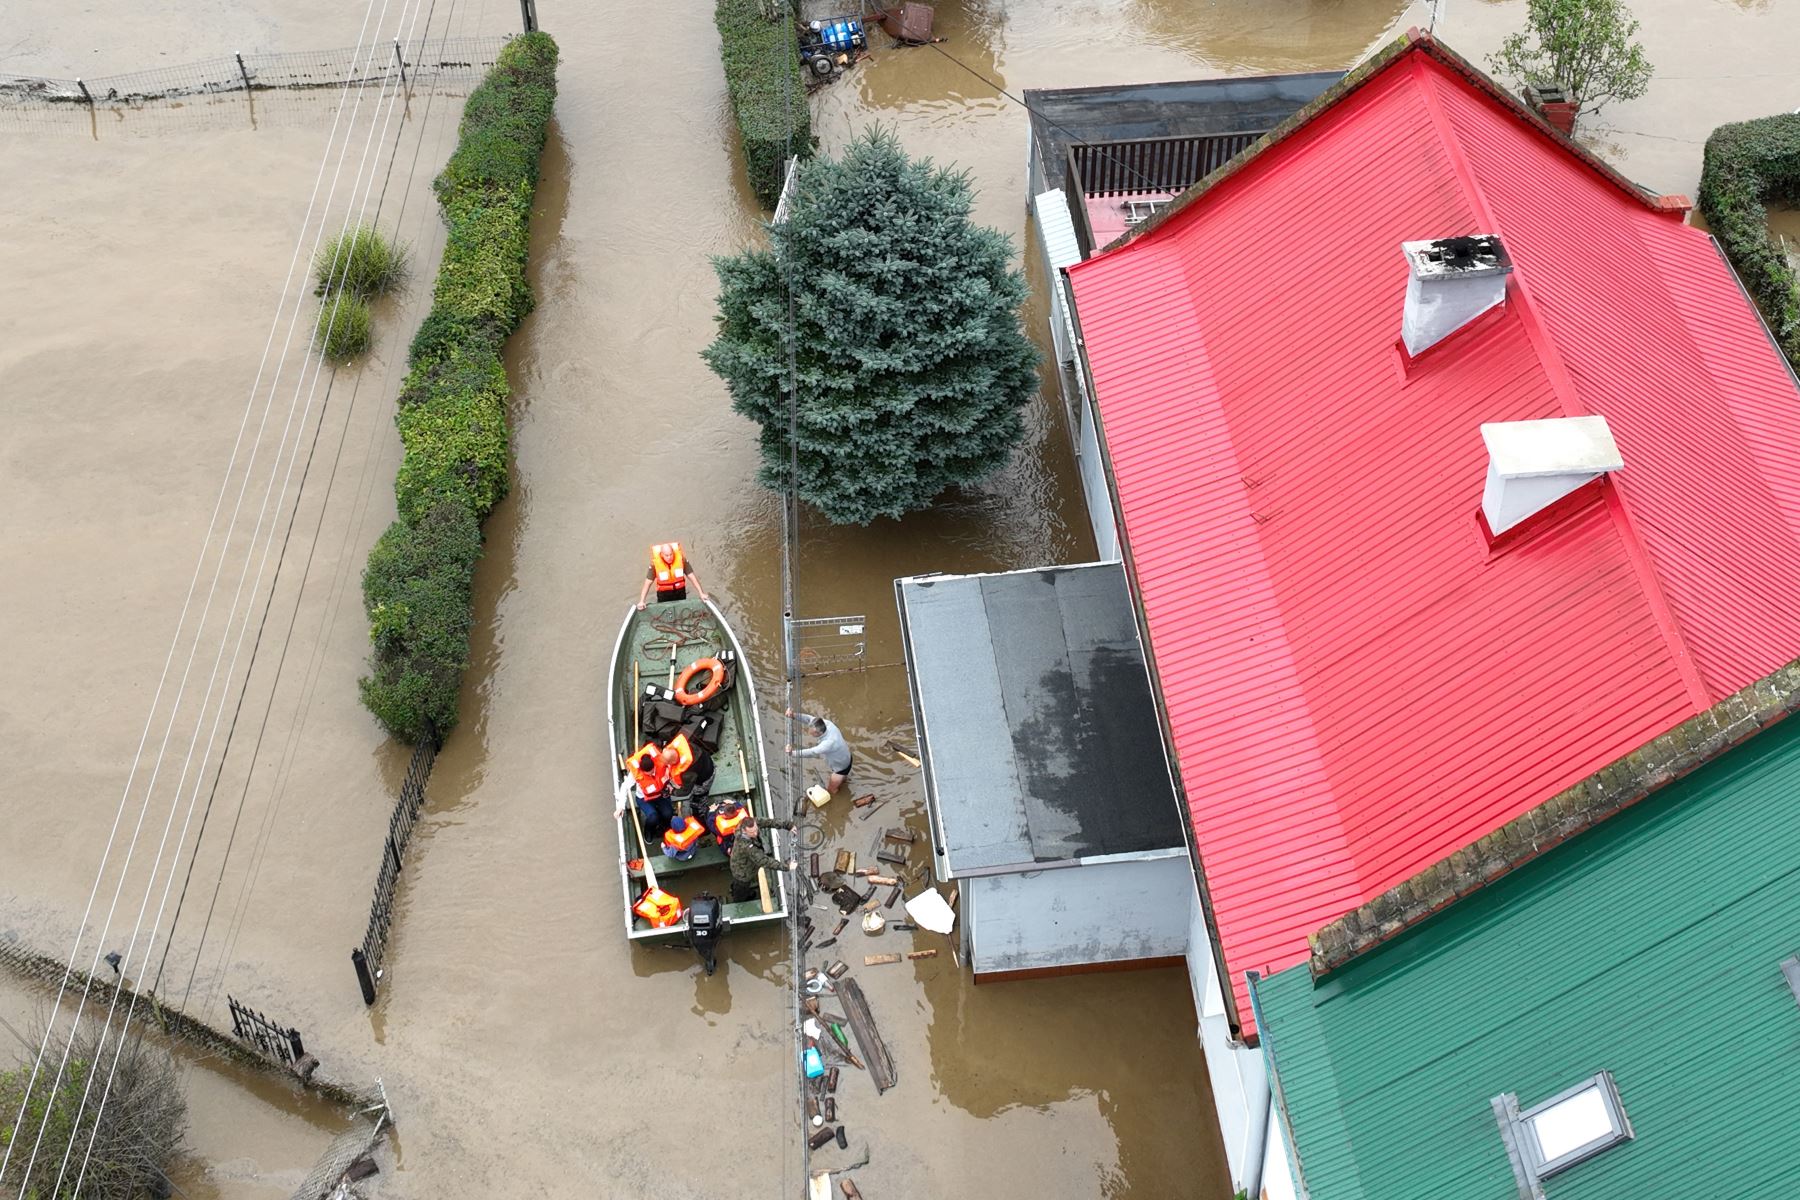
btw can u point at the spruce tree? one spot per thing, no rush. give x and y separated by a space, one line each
911 364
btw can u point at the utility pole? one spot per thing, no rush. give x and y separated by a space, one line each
528 11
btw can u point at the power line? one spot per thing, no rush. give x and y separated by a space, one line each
335 289
278 789
168 662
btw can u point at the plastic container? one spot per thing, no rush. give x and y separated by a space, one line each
815 1065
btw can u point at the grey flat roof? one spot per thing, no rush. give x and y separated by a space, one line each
1125 112
1037 731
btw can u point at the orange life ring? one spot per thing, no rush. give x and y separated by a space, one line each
712 685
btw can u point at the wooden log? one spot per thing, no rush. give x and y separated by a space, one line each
900 833
850 1192
831 1078
921 954
883 880
876 960
864 801
829 1109
892 896
836 970
868 1037
820 1138
846 861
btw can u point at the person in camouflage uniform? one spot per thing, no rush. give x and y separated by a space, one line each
747 855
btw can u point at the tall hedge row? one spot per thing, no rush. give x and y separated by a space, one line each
762 74
418 585
1747 166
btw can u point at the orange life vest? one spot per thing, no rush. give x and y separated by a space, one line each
727 820
650 783
684 758
658 908
670 567
681 836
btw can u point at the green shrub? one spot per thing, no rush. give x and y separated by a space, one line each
124 1146
768 93
1747 165
452 416
343 327
505 121
483 273
417 591
360 261
455 449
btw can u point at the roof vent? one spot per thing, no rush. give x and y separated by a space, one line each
1454 280
1533 464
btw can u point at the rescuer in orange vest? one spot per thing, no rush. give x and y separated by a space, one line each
670 573
726 818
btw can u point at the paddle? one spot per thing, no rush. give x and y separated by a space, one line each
762 873
638 824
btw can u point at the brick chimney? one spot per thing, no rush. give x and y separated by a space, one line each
1533 464
1552 103
1453 281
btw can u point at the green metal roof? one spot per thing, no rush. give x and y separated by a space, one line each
1648 946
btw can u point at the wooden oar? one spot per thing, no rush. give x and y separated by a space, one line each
643 845
762 873
672 650
637 696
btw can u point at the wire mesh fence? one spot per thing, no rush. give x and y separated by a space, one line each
424 59
423 62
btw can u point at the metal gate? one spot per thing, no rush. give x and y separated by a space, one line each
819 644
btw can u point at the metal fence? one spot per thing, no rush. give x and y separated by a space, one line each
425 60
250 1027
367 958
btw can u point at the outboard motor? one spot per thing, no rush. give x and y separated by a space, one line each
706 925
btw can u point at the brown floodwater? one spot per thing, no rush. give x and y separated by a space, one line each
527 1051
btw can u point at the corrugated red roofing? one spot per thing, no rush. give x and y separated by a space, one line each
1356 685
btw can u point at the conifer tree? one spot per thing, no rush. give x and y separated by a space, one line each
911 364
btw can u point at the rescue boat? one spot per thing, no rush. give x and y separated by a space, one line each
656 649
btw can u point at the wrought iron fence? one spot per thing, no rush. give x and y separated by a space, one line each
412 61
250 1027
368 957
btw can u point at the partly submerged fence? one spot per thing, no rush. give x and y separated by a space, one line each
424 60
367 958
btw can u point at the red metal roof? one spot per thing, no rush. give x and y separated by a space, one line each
1357 686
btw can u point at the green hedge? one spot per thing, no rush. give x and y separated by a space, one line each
417 587
1748 165
762 73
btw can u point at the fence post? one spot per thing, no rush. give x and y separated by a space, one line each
297 1044
366 980
85 94
401 59
528 11
242 71
394 853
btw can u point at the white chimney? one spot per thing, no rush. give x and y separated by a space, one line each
1533 464
1454 280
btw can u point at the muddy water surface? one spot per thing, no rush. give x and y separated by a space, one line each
526 1050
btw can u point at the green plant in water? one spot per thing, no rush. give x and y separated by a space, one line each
343 327
360 261
1581 46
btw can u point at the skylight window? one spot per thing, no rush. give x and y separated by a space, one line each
1568 1128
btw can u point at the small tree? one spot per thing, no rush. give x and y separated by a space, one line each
911 364
119 1150
1581 46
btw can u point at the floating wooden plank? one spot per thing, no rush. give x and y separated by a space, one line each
846 861
922 954
864 801
899 833
862 1024
876 960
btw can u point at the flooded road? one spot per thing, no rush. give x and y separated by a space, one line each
526 1051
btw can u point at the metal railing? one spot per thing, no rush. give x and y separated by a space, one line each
368 957
1145 166
281 1043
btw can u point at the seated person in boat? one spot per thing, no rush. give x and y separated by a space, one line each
688 771
725 817
747 856
646 783
670 573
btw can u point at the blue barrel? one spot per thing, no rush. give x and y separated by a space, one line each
841 34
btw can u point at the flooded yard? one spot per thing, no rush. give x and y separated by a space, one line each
526 1049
